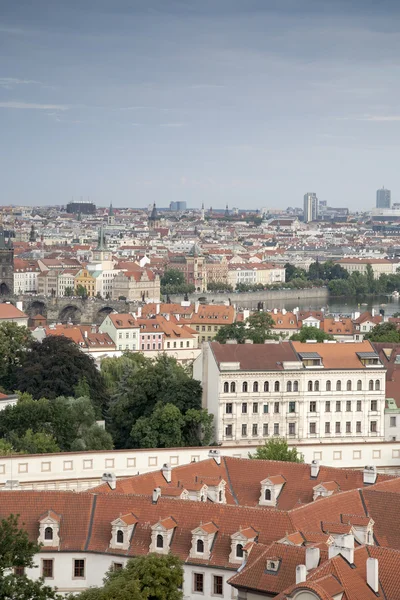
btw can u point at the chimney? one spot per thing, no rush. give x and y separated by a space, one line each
373 312
156 495
301 573
196 306
369 474
344 545
166 471
139 311
157 308
94 328
19 305
216 455
312 558
110 479
85 333
247 341
314 468
373 574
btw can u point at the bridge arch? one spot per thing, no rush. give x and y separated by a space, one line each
70 314
37 307
102 313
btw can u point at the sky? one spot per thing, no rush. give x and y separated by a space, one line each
250 103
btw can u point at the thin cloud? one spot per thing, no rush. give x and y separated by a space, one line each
380 118
33 106
10 82
172 124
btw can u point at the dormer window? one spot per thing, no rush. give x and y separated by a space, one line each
203 540
239 551
122 531
49 529
160 541
161 535
240 541
271 487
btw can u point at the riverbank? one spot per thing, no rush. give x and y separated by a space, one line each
283 298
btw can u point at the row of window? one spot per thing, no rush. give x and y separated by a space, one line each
291 406
312 386
373 427
217 587
78 568
292 428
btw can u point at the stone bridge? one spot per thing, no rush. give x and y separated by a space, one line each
72 310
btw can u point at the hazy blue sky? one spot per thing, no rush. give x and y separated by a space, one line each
245 102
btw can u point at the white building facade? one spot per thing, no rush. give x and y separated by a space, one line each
298 394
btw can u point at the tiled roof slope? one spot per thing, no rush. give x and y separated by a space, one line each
243 478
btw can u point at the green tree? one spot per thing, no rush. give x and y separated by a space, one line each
219 286
311 333
162 429
172 277
81 291
14 341
151 577
277 449
48 425
292 272
55 366
17 551
384 332
69 291
142 386
259 326
34 443
235 331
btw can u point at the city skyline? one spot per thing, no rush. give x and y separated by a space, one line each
245 103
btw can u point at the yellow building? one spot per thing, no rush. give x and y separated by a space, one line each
85 279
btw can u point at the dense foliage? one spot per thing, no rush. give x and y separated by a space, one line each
54 367
311 333
15 340
147 394
257 328
151 577
17 551
384 332
277 449
66 424
173 282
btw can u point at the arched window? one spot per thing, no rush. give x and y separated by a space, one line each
233 387
244 386
202 498
371 384
328 386
267 494
348 385
277 386
255 386
200 546
289 386
239 551
160 541
220 496
309 386
338 386
226 387
48 533
359 385
377 384
120 537
316 386
266 386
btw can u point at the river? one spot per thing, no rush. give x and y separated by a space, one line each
345 305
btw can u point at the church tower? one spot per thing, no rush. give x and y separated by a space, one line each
111 217
154 221
101 253
6 265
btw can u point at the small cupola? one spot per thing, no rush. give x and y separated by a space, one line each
49 529
239 540
161 535
122 530
202 540
271 487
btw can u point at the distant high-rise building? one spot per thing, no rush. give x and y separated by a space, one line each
383 198
177 206
82 207
310 207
